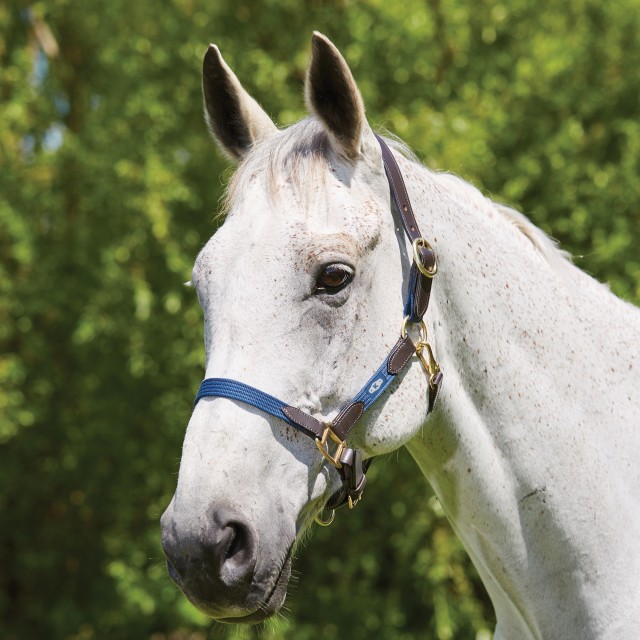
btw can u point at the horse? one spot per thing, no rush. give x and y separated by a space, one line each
533 444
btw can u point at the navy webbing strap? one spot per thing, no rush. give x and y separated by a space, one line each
235 390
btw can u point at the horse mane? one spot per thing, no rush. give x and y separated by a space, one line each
544 244
302 152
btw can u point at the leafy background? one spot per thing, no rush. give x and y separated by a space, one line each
108 188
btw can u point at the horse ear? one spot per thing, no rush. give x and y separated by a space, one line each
332 95
234 118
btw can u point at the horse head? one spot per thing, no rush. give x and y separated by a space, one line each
302 291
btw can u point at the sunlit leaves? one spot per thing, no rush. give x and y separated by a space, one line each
108 189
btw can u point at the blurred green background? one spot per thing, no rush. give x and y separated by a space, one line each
109 187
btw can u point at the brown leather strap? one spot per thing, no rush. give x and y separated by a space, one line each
400 355
399 191
420 285
342 423
352 473
434 390
310 425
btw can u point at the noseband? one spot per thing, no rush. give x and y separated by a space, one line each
330 437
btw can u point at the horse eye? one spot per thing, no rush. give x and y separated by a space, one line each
333 278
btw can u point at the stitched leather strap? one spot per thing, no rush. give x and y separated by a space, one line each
399 191
419 284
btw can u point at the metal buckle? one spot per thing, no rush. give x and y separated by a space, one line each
323 446
431 367
353 475
421 243
429 363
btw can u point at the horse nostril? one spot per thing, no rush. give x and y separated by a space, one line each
235 545
218 560
235 551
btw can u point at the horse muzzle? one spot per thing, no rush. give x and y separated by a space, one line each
217 566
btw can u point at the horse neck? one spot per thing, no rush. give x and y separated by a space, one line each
517 327
521 419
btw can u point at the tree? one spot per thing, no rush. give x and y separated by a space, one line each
108 188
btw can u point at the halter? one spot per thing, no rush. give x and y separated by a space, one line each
330 437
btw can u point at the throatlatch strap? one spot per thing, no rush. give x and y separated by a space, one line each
399 191
419 290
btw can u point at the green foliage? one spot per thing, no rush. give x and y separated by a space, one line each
108 188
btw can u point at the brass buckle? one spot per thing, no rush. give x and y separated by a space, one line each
429 363
421 243
323 446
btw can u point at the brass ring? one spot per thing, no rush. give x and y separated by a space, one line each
421 243
423 329
325 523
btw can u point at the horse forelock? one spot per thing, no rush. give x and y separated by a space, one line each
299 156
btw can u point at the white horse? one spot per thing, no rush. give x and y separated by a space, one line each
533 447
